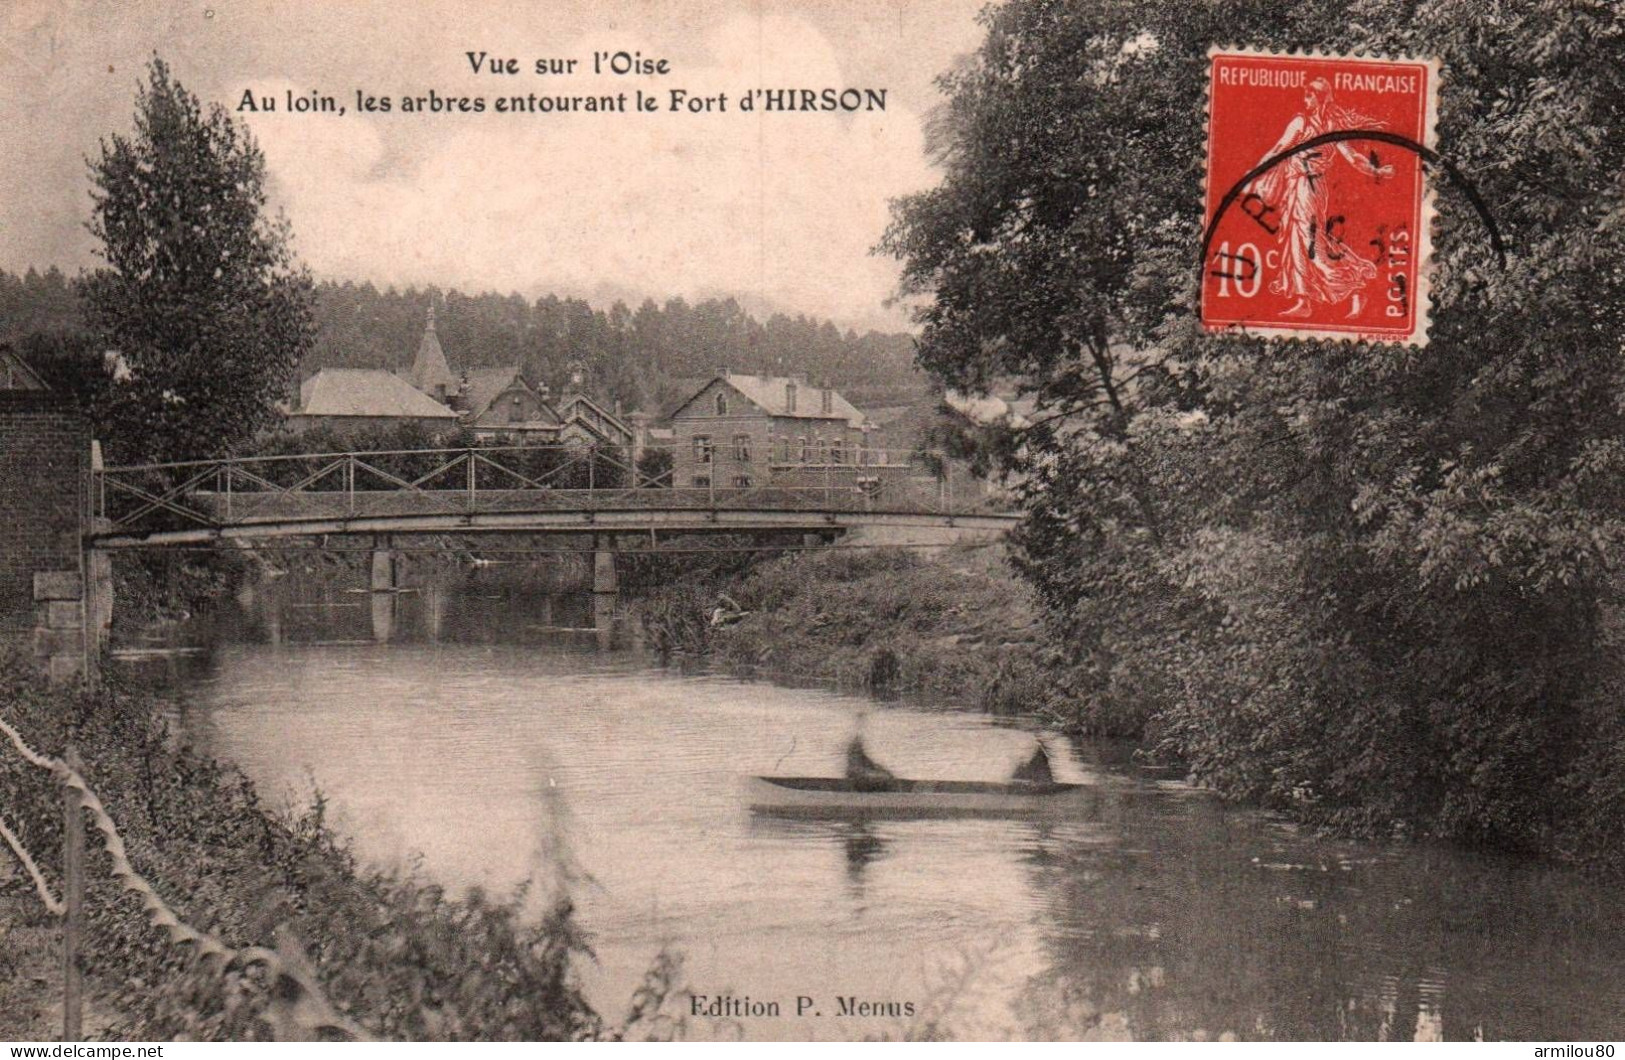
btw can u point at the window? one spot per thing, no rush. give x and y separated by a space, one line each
516 410
742 448
742 482
722 403
837 451
702 449
823 450
781 449
801 449
702 481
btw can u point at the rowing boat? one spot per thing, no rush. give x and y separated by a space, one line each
814 796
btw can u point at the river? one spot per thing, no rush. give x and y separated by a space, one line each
470 736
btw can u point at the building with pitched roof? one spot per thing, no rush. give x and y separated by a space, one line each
350 399
497 404
739 431
585 420
15 373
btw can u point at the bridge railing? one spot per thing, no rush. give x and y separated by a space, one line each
241 491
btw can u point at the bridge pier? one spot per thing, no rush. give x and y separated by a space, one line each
383 563
383 566
383 617
605 585
434 612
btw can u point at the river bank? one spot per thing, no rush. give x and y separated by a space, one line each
961 626
31 968
957 625
392 953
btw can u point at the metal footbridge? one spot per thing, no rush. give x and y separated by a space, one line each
548 489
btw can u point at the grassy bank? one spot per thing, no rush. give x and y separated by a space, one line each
963 626
956 624
396 955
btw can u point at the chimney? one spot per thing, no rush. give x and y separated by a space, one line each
827 397
722 372
790 396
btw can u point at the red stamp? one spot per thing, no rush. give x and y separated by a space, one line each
1317 214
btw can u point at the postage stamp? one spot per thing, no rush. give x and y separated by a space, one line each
1317 210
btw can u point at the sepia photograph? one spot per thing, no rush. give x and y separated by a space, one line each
812 521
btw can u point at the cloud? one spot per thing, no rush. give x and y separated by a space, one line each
780 210
782 207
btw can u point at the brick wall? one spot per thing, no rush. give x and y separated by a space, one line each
44 450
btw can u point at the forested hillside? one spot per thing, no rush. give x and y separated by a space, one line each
37 302
636 356
643 358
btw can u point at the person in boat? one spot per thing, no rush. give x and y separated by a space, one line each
727 611
1035 770
864 772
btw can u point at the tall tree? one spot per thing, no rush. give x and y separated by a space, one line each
1369 583
201 295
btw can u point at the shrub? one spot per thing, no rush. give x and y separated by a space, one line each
395 953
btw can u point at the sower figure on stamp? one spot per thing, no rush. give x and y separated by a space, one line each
1315 264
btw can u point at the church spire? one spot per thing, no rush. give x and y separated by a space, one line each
430 372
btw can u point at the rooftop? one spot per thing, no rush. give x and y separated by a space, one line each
15 373
366 392
485 385
771 393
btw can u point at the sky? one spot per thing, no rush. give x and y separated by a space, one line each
780 210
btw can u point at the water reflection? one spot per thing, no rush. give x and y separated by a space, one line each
473 735
383 617
863 848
